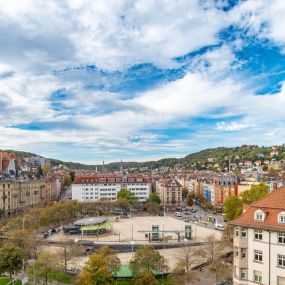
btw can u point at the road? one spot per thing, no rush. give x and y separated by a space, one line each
201 216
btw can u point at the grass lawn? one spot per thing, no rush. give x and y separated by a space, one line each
130 282
6 280
61 277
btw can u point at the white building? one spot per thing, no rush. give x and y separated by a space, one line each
97 186
259 242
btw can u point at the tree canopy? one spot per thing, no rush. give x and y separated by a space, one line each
233 205
11 258
146 258
255 193
100 268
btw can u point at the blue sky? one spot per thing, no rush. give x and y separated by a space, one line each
88 81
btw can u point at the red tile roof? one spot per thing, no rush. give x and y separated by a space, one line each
272 205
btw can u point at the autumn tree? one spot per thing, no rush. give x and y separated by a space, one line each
146 258
96 271
145 277
11 258
110 255
45 267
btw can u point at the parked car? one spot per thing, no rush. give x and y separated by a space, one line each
178 214
187 213
161 214
220 227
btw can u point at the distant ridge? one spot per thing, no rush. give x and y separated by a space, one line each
197 160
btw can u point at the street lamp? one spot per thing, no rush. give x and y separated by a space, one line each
132 243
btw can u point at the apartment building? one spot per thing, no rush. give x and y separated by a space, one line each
93 187
259 242
170 192
16 195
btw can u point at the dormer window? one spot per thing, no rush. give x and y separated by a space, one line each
259 215
281 218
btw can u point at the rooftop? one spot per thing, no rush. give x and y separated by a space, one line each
271 205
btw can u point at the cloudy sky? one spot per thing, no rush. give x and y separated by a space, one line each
93 80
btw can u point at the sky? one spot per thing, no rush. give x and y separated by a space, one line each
87 81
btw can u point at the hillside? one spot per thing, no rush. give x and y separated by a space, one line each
198 160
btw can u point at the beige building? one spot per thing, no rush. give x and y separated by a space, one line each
17 195
259 242
170 193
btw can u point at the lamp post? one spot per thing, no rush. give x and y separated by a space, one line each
132 243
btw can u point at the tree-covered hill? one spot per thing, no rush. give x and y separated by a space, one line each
210 156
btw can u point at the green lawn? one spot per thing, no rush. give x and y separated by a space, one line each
6 280
125 272
130 282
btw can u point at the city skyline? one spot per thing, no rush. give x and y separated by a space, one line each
86 82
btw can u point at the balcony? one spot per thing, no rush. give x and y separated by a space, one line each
240 262
36 192
28 193
15 193
240 242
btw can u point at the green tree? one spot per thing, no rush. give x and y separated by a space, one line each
1 213
255 193
46 168
11 258
154 198
153 203
147 258
128 195
233 207
67 179
145 277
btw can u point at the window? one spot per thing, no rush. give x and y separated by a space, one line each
243 232
259 215
281 260
237 232
257 276
281 237
282 218
243 253
243 273
258 255
258 234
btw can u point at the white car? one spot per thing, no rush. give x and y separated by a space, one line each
220 227
178 214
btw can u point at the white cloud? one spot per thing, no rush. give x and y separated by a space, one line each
232 126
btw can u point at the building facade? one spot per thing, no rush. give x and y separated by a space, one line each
259 242
87 188
17 195
170 193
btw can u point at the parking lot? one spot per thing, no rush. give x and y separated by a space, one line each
136 228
